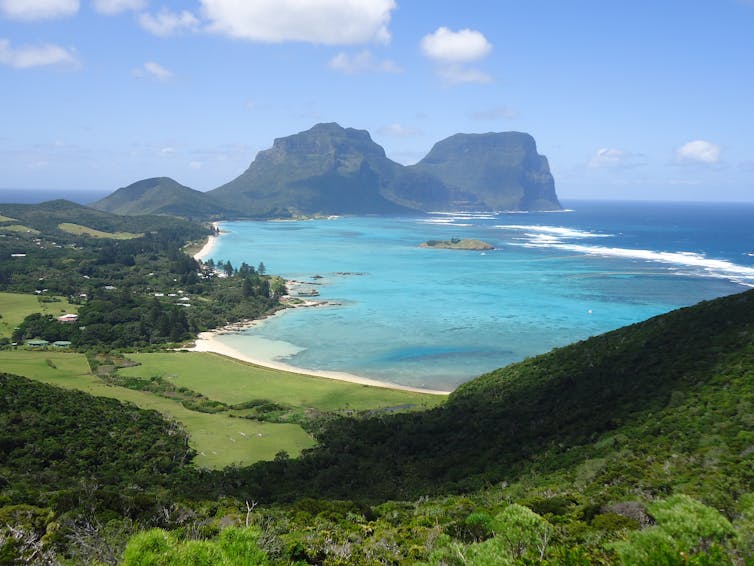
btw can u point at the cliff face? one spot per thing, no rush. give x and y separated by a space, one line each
325 170
333 170
495 171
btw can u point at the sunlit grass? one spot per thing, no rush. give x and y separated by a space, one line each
14 307
232 382
219 438
78 230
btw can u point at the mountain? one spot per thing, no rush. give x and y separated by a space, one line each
329 169
325 170
494 171
161 195
333 170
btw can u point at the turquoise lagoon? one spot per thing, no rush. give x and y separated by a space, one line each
436 318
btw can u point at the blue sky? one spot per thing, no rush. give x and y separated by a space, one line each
628 100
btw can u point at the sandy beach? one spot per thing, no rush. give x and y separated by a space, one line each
207 342
208 246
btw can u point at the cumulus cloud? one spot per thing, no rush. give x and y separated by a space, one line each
30 10
28 56
328 22
398 131
452 51
166 23
111 7
152 70
698 151
610 158
362 62
449 46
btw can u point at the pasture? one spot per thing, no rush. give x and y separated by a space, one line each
232 382
78 230
14 307
219 439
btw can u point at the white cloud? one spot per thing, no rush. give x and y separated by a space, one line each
609 158
497 113
111 7
166 23
453 50
329 22
30 10
362 62
456 74
155 71
28 56
449 46
698 151
398 131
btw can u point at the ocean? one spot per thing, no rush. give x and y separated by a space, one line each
436 318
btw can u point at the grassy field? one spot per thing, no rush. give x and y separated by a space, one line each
78 229
6 219
18 228
220 439
14 307
232 382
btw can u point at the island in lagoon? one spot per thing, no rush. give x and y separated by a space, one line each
458 244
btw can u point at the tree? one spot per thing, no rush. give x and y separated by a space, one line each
261 269
229 268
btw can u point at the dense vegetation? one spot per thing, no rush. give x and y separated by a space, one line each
633 447
136 292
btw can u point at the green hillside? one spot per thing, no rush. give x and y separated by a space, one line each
657 406
45 218
161 195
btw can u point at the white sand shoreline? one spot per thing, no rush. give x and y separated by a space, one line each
208 342
208 246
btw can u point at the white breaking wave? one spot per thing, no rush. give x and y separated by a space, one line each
554 236
552 231
709 267
437 220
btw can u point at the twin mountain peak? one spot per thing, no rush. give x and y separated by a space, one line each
330 170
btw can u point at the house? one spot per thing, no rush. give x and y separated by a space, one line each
68 318
37 343
62 343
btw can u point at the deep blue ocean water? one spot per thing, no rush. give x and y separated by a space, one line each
436 318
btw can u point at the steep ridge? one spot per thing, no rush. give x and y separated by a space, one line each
325 170
494 171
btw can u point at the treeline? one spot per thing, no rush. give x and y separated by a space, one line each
78 473
133 293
